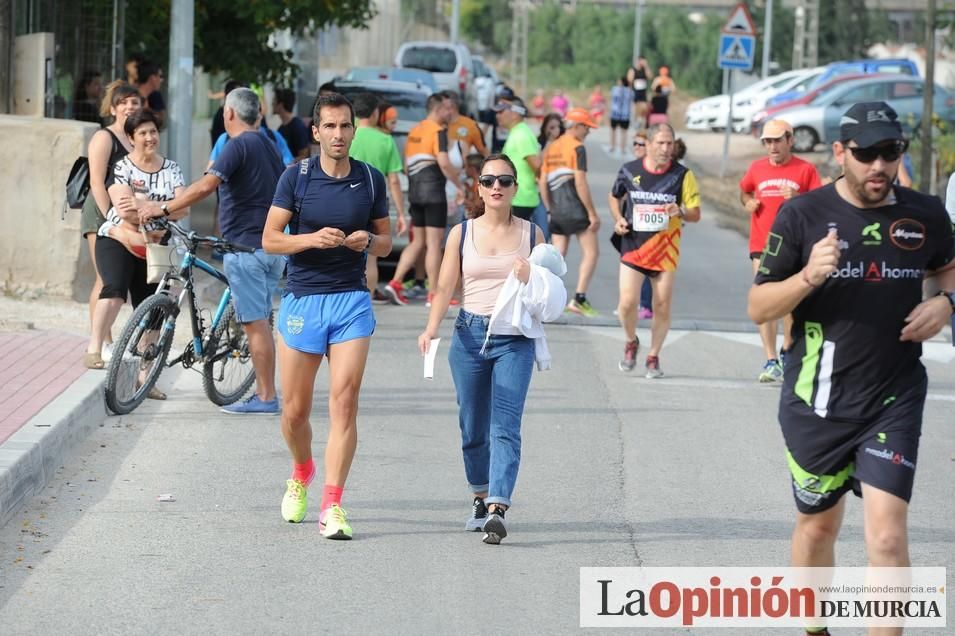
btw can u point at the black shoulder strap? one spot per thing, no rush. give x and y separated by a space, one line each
301 184
464 231
533 235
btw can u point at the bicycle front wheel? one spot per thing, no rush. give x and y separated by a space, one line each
140 353
227 373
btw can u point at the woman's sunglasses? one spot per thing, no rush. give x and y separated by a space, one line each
888 152
506 180
639 143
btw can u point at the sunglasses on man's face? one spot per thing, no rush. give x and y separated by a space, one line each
506 180
888 152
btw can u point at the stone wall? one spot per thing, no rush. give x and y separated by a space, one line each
41 250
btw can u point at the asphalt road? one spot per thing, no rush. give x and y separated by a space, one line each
617 471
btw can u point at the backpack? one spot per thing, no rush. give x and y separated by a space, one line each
78 183
301 183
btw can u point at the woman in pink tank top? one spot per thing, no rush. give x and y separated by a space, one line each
491 380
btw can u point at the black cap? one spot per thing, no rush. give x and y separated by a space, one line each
870 123
505 92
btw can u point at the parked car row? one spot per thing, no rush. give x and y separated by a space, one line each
800 90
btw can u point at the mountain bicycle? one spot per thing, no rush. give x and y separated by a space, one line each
219 346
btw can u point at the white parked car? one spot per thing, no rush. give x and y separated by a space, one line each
711 113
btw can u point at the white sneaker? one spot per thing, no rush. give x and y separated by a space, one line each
107 352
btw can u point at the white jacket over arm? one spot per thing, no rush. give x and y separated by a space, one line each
522 308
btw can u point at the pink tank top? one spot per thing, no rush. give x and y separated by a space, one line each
483 276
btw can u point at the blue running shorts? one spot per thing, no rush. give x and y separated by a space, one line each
311 323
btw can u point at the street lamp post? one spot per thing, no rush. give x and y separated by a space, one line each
637 27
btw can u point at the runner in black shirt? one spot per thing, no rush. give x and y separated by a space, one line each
848 260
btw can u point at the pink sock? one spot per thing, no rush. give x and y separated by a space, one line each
331 495
304 472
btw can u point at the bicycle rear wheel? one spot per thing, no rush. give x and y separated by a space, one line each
227 373
140 353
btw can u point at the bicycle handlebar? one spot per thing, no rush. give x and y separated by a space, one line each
195 239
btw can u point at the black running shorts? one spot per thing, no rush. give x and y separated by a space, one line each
619 123
828 458
429 214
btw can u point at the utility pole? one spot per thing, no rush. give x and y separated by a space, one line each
637 27
179 72
799 36
455 18
812 37
926 183
519 33
767 37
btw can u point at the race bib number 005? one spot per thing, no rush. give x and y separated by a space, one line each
650 218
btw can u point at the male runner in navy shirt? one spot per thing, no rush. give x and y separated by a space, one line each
337 212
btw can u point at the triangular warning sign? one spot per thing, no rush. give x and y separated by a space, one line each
740 22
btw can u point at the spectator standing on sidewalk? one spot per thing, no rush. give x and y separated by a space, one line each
491 373
150 78
337 213
88 97
380 151
566 194
649 202
293 130
767 184
245 175
141 176
106 148
639 76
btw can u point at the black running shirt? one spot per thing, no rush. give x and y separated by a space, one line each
847 362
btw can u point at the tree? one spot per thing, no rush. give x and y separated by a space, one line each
237 37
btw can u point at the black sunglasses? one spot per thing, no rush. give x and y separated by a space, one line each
888 152
506 180
639 143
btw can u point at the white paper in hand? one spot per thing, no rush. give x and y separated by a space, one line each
429 359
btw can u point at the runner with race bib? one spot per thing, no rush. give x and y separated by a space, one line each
649 201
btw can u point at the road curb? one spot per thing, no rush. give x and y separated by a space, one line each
30 457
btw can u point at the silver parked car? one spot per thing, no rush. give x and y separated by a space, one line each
818 121
450 65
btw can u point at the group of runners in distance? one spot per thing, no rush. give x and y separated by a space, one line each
842 265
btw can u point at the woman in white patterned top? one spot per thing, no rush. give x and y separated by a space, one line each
141 175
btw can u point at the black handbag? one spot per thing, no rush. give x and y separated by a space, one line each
78 183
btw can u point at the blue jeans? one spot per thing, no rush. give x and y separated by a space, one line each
540 218
491 389
646 294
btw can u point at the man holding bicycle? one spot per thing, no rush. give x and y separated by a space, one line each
246 174
337 213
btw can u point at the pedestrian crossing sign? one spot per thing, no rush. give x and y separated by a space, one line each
736 51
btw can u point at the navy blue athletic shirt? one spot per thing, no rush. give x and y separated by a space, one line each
349 204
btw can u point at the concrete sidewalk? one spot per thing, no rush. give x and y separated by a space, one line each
48 403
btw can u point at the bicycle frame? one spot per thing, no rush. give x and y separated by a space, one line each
185 276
